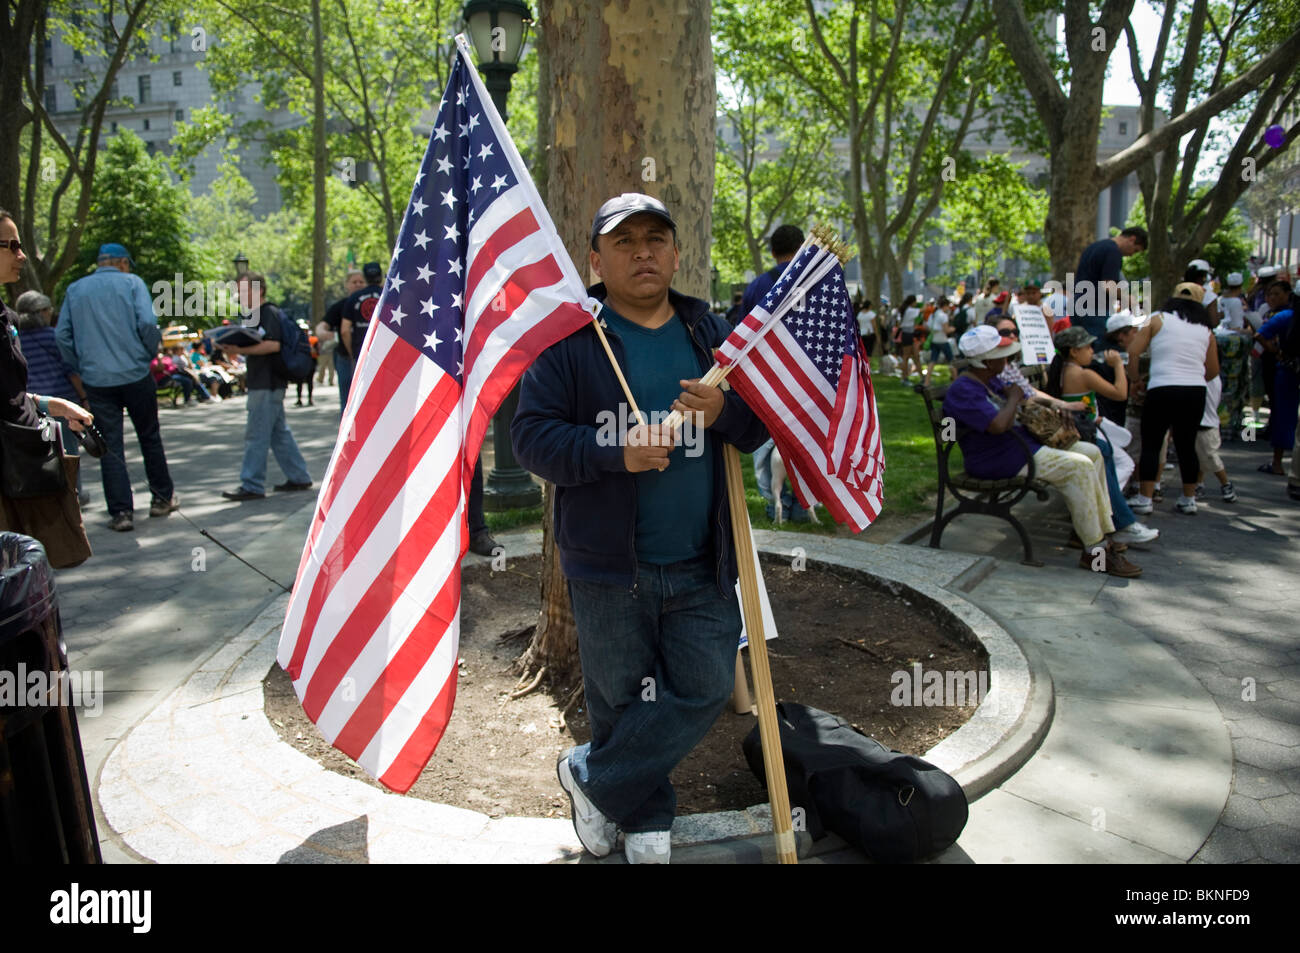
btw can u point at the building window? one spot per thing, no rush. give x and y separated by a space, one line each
176 78
180 115
114 126
49 52
146 125
145 86
175 31
51 99
1123 129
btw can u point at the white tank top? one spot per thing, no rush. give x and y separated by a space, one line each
1178 353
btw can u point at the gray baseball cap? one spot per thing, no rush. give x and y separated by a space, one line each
612 213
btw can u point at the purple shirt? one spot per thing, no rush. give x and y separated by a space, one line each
988 456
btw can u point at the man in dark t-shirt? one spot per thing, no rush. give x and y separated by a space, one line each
359 308
266 428
343 364
1097 275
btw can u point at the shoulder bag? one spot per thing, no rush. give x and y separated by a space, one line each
32 463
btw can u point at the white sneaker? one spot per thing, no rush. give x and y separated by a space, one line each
1136 533
1185 505
1140 504
597 832
647 847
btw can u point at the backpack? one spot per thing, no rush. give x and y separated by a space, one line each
961 320
895 807
293 361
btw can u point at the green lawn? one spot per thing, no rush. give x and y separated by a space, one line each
910 478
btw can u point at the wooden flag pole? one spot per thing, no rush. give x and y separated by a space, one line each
618 371
741 702
768 730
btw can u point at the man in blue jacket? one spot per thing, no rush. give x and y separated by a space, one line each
641 525
107 334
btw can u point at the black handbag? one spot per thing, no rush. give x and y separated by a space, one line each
896 807
1086 425
32 463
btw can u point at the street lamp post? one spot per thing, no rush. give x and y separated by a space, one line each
497 30
241 264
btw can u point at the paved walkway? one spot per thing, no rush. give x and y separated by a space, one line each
1207 635
1134 689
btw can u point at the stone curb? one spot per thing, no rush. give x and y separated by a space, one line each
203 778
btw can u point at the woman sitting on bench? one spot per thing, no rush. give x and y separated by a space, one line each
987 411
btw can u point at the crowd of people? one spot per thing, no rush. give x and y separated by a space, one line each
1138 388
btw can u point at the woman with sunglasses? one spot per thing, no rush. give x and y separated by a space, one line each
51 520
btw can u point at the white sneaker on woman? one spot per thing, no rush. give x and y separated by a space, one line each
1136 533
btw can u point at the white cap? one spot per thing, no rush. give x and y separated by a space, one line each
1122 319
1200 264
1234 279
984 341
1269 271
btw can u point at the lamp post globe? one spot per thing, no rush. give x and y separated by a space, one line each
497 31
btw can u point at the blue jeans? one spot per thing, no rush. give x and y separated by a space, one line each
658 665
343 367
763 476
266 429
140 400
1121 514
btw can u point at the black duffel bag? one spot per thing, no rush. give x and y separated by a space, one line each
895 807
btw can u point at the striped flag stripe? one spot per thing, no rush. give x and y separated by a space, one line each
405 657
515 292
349 585
406 766
378 584
765 386
361 487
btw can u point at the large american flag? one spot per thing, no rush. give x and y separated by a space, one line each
479 285
806 375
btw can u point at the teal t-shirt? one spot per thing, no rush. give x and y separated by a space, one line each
673 506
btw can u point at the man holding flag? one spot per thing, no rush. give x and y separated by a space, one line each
641 526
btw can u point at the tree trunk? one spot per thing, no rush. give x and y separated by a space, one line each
617 126
319 161
1071 211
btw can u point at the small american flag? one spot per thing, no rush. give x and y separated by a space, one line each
479 285
806 375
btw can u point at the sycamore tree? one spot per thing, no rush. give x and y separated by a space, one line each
1201 49
45 175
991 213
1227 249
384 65
774 164
903 85
135 202
1067 93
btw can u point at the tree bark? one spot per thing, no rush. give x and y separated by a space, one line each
617 125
